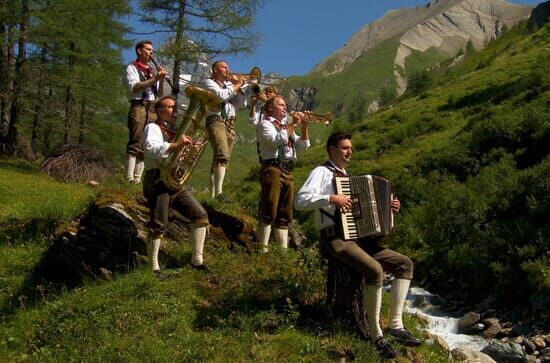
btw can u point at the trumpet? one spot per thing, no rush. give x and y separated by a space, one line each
253 77
312 118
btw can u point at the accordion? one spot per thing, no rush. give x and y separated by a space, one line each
371 213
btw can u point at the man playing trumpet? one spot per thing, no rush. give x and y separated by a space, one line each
278 146
220 123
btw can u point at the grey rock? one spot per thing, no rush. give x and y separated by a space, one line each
466 321
470 356
505 352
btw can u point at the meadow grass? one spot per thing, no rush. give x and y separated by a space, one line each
25 196
240 312
252 307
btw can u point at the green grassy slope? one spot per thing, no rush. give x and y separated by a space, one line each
252 307
464 156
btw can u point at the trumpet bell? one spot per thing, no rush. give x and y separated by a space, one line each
255 75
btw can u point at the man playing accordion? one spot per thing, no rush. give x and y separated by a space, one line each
318 194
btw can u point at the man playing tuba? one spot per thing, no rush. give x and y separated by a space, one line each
158 145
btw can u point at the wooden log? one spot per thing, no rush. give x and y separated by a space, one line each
346 296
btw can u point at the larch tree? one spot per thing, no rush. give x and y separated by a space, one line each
202 27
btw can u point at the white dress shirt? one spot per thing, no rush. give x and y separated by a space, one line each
315 194
255 120
271 139
154 147
131 77
231 100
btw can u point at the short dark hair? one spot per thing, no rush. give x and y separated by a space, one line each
141 43
216 63
158 103
335 138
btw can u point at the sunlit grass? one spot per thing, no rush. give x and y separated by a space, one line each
34 196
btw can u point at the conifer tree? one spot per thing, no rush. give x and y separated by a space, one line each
211 27
72 65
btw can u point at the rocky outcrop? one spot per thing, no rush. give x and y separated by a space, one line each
393 23
539 16
109 239
475 21
446 25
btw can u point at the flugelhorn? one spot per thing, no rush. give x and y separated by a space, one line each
254 76
313 118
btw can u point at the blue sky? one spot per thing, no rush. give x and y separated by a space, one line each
298 34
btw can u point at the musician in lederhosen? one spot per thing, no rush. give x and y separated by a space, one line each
143 87
318 194
278 145
220 123
158 146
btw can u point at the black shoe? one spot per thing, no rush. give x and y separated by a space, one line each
159 275
384 349
202 268
222 198
403 336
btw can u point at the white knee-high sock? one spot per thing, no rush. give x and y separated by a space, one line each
138 171
198 236
281 236
264 230
155 244
398 294
212 185
219 175
130 167
373 304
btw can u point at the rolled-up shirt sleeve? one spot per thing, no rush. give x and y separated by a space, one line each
301 145
316 191
224 93
131 77
155 148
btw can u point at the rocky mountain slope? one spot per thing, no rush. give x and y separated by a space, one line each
446 25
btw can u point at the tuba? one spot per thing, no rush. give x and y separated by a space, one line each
179 166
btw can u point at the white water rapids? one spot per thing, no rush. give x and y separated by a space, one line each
441 324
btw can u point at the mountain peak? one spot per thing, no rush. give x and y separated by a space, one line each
445 25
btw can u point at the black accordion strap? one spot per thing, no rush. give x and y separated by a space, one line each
335 172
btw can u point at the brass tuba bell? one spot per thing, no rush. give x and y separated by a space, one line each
180 165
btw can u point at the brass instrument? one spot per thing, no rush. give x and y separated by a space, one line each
314 118
253 77
180 164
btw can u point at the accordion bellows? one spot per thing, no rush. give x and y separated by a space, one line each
371 213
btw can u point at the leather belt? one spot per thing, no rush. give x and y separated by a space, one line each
141 102
287 165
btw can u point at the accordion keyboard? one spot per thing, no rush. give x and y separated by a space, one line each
362 220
